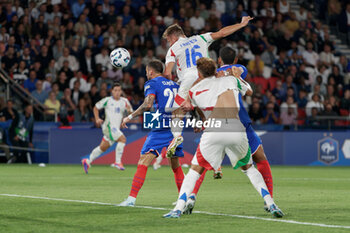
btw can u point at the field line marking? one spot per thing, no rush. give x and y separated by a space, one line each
198 212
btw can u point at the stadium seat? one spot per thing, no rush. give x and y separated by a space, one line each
272 83
344 112
261 81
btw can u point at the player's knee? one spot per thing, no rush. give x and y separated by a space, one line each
122 139
246 167
197 168
259 155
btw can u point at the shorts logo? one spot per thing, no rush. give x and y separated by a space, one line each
151 120
328 150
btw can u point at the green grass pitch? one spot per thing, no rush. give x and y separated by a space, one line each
305 194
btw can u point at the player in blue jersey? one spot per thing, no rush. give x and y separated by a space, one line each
226 60
159 94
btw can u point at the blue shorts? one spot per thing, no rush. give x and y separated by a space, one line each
157 140
253 139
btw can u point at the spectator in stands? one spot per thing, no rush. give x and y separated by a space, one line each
289 104
301 14
314 103
104 79
40 94
20 74
256 66
322 86
78 7
288 118
279 92
255 113
72 61
83 84
280 66
29 84
76 93
9 112
52 105
162 49
302 98
289 83
269 56
84 24
149 57
9 61
338 78
169 18
103 59
197 22
270 116
291 24
82 113
310 56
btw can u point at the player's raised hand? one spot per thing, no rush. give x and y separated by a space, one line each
125 121
237 71
245 20
99 122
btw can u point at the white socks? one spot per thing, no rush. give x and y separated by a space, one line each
119 152
94 154
175 128
186 188
258 182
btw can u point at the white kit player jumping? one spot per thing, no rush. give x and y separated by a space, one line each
217 98
184 52
114 107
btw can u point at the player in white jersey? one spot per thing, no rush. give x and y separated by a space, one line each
114 107
184 52
218 100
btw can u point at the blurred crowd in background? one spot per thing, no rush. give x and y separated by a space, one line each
59 52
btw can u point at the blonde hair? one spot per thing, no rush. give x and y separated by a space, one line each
174 29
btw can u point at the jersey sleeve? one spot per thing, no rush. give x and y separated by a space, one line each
150 88
207 38
170 56
190 94
102 103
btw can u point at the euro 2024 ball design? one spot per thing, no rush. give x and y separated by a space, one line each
120 57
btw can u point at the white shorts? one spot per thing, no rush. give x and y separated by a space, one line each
111 134
213 146
185 85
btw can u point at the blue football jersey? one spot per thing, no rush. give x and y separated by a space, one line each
243 114
164 91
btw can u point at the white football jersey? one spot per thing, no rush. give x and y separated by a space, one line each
114 111
205 93
187 50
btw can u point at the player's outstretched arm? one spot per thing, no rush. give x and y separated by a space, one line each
168 68
226 31
98 120
145 106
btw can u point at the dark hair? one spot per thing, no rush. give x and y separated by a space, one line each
116 84
206 66
174 29
227 55
156 65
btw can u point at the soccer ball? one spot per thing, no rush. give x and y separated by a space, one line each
120 57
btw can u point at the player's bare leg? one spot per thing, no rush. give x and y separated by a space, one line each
104 145
119 149
258 182
139 178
